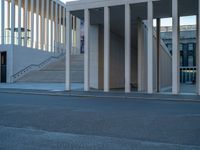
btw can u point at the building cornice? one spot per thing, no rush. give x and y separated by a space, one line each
89 4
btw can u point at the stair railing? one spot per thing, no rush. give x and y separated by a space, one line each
162 44
34 67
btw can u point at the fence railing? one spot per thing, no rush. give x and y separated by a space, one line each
188 75
32 67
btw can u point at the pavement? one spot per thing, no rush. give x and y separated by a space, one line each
49 122
58 89
40 86
184 88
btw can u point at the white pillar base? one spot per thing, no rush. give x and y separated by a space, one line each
106 49
175 49
86 49
150 49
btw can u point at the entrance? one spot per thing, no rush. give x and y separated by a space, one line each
3 66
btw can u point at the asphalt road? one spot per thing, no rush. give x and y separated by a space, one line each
42 122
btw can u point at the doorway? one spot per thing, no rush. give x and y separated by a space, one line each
3 64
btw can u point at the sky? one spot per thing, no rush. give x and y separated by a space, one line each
189 20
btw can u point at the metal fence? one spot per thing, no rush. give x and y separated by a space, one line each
188 75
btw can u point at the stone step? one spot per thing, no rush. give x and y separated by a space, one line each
52 76
55 72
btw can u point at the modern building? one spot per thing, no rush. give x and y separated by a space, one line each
121 48
187 50
33 33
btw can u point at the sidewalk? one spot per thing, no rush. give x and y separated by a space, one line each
57 89
40 86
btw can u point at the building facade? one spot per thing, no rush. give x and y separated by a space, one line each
128 14
187 51
33 31
121 48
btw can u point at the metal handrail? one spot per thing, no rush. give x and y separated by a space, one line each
29 68
188 67
188 74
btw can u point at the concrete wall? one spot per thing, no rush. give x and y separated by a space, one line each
116 60
165 62
9 50
101 57
24 57
142 58
19 57
165 68
94 59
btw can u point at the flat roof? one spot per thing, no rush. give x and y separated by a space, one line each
89 4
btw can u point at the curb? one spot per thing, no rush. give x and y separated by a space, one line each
53 93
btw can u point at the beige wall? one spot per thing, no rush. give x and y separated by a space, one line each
142 58
165 68
23 57
165 62
19 57
94 52
116 60
101 57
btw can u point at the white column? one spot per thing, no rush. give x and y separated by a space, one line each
106 49
127 48
2 21
198 51
59 28
139 60
32 23
64 25
56 28
25 22
37 23
78 34
74 38
42 29
52 20
86 49
12 21
158 54
19 22
68 51
150 48
47 25
8 20
175 48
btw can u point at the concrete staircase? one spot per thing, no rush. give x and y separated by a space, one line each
55 72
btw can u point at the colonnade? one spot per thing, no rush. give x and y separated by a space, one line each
107 49
36 24
127 30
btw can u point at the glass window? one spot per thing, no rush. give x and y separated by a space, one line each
181 47
190 47
181 60
169 46
190 60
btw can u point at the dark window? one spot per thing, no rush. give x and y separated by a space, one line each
181 47
190 47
